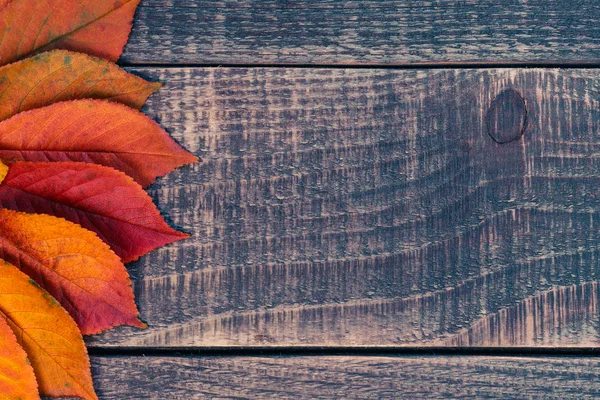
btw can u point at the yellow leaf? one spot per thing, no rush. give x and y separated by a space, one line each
48 334
3 171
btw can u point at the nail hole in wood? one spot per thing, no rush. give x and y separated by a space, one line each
507 117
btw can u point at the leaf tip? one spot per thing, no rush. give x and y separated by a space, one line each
191 159
141 325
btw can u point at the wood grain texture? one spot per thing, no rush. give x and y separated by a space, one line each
364 32
346 377
372 207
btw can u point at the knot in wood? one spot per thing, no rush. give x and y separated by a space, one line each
507 117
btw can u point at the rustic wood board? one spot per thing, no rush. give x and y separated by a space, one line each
346 378
372 207
364 32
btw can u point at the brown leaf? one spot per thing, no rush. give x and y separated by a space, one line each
99 27
49 336
93 131
61 75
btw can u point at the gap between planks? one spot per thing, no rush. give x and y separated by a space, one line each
362 351
578 64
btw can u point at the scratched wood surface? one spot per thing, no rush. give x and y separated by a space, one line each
364 32
346 377
387 207
376 207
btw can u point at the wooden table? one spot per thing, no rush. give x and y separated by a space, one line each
398 199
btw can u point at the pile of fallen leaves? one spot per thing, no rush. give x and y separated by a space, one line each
76 154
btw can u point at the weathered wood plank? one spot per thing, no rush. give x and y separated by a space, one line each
346 378
364 32
372 207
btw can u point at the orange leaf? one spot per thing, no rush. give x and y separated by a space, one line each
17 380
74 265
98 27
93 131
48 335
63 75
99 198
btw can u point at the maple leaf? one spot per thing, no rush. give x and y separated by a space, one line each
17 380
98 198
48 335
99 27
61 75
93 131
73 265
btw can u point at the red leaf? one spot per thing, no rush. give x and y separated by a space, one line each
98 198
93 131
97 27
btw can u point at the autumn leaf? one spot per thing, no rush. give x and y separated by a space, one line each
48 334
3 171
17 380
93 131
61 75
74 265
98 198
99 27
